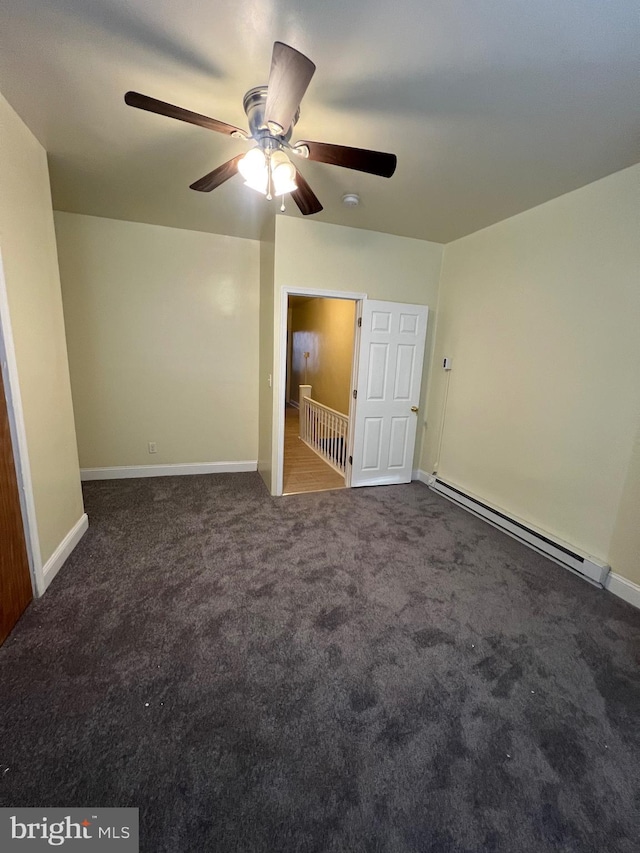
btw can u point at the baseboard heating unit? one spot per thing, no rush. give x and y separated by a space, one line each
587 567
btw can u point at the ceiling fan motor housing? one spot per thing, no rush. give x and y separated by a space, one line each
254 103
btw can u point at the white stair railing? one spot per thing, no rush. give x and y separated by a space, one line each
325 431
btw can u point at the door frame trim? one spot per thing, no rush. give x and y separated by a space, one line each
17 428
280 363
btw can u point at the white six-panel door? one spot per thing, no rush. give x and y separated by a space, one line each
392 342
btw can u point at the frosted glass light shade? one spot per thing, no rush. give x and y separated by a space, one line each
283 172
253 168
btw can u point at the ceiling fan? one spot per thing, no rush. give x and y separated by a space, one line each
272 111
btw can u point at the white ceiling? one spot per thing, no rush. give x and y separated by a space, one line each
492 106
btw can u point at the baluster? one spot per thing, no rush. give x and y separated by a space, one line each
331 434
343 448
328 445
323 431
334 438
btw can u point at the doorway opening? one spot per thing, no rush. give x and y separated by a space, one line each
386 372
321 336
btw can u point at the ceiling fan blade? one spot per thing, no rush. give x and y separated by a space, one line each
305 197
218 176
290 75
144 102
361 159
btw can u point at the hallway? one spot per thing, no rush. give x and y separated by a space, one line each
304 470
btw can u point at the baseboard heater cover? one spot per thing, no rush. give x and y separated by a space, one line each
587 567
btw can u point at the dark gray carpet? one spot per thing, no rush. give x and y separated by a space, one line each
355 671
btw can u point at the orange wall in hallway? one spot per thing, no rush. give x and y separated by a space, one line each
325 329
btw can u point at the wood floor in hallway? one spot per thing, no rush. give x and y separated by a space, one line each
304 470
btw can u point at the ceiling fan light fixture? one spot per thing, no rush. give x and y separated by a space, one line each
283 173
253 168
284 179
258 184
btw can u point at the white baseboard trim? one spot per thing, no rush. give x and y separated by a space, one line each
628 590
123 472
423 477
64 549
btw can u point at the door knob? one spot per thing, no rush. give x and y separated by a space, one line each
414 408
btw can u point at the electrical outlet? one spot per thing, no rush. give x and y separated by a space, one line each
153 447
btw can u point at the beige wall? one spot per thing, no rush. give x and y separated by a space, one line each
332 257
624 551
265 397
541 315
28 247
162 329
325 329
